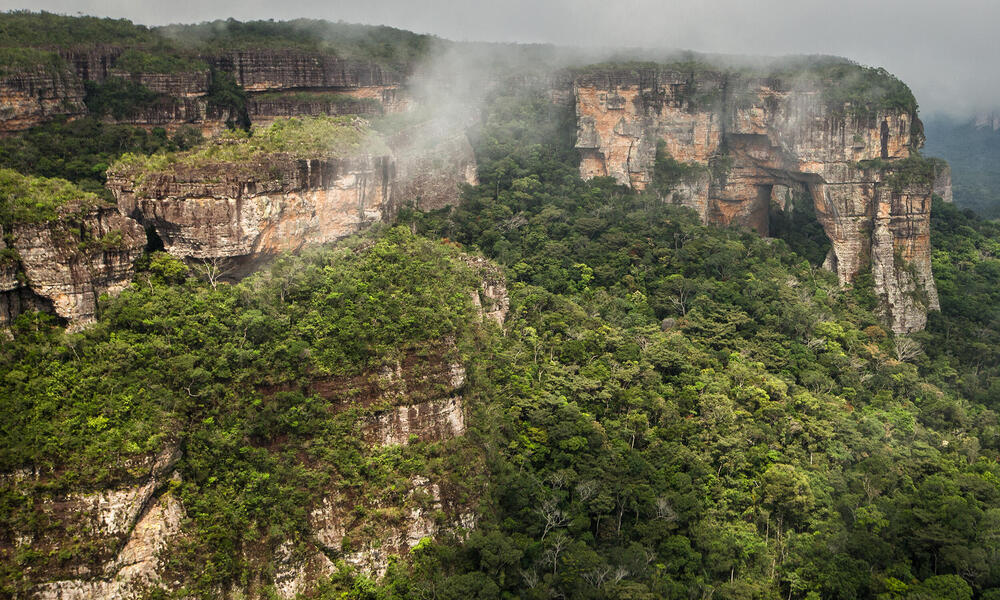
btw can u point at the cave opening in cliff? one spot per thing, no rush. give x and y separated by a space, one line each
792 218
153 241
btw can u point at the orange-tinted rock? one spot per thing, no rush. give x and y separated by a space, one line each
280 203
753 136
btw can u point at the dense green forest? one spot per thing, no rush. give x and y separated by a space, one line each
169 48
669 410
673 410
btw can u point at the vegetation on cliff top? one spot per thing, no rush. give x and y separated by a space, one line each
294 138
861 91
45 29
81 150
381 44
224 372
914 171
15 61
30 199
673 410
845 86
395 49
138 61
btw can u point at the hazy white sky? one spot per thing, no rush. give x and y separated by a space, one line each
946 50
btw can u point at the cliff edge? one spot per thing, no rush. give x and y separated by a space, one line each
846 136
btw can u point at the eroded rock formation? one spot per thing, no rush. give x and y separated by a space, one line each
64 265
219 211
29 97
280 204
432 163
743 138
277 82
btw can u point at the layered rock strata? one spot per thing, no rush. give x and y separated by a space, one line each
278 69
277 205
64 265
29 97
742 139
282 203
32 95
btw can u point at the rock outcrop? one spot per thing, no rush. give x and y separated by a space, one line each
65 264
264 108
282 202
279 204
942 181
265 69
31 96
742 138
121 530
432 163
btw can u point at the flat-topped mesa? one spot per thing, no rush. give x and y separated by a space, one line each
845 135
67 254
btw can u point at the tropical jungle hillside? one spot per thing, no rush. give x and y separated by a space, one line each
531 384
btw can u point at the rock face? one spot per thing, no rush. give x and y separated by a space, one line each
431 165
35 94
942 181
219 211
264 108
742 139
125 528
64 265
283 204
29 97
275 69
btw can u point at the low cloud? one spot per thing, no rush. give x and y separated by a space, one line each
944 51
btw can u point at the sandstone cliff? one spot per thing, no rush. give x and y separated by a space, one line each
31 96
269 203
274 205
65 264
742 137
35 93
264 69
432 162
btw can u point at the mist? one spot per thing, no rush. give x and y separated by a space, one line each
944 51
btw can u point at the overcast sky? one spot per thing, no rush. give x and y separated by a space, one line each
946 50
